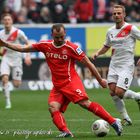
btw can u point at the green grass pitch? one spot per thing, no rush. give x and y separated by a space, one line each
29 117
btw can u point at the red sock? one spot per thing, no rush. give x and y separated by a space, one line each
101 112
59 121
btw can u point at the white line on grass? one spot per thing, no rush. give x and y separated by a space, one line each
47 120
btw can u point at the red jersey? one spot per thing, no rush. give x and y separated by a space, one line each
61 60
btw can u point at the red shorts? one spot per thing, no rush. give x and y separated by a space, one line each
73 92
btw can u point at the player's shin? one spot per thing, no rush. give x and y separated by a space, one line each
129 94
6 92
120 105
101 112
59 121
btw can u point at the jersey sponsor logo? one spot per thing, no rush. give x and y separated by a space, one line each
56 56
79 51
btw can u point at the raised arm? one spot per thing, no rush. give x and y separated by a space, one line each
94 71
17 47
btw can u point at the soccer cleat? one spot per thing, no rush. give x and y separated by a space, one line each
126 122
8 106
138 102
118 127
65 134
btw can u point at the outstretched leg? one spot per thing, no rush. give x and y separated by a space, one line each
129 94
98 110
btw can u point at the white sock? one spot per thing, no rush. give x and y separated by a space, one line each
7 94
129 94
120 105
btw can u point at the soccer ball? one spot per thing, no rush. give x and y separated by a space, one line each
100 128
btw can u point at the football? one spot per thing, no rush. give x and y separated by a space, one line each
100 128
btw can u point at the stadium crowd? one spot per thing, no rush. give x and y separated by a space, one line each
67 11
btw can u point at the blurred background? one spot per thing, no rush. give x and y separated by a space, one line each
67 11
86 24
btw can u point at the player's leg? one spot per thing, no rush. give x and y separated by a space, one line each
129 94
120 105
58 104
98 110
124 82
76 93
6 90
17 76
5 72
113 79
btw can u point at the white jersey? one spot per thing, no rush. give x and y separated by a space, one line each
123 42
14 36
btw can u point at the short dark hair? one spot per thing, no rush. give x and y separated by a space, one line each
57 27
119 6
6 14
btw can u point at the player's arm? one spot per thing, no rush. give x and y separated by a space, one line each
94 71
1 51
101 51
24 38
17 47
138 62
27 59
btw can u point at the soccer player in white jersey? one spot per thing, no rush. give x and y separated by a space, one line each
122 38
11 60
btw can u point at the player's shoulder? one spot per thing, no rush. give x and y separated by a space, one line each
71 45
128 25
110 29
74 47
20 31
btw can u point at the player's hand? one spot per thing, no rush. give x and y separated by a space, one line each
138 62
28 61
103 83
94 56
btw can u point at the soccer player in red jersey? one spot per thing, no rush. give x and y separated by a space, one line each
61 56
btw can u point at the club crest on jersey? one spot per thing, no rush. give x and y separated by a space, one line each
79 51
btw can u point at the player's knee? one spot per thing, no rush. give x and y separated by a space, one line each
53 108
112 93
5 79
16 83
112 87
119 92
84 103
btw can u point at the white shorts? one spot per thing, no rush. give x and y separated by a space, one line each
8 68
122 77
